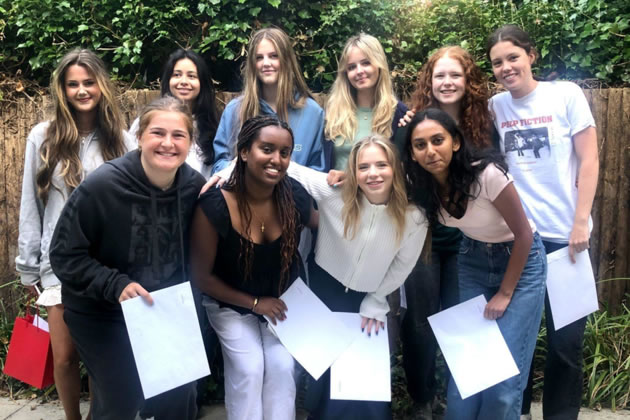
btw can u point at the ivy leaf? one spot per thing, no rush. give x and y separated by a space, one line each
82 27
274 3
254 11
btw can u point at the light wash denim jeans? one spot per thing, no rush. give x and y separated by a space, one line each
481 267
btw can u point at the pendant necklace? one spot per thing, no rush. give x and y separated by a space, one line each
262 222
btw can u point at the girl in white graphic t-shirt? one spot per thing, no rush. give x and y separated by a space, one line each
557 191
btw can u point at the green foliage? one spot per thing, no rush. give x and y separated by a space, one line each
578 39
607 360
135 37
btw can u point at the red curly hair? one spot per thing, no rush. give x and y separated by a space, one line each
475 120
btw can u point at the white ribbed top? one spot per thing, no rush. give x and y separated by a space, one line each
373 261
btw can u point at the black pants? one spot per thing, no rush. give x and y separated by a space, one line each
563 380
429 287
318 401
103 345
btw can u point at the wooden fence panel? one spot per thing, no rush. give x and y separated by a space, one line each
611 215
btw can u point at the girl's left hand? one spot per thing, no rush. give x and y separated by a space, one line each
497 306
368 323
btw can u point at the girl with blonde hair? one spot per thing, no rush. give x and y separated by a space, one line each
361 100
273 85
86 130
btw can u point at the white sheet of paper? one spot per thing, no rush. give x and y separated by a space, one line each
571 287
40 323
362 372
313 335
166 339
474 349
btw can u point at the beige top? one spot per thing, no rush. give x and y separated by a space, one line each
482 221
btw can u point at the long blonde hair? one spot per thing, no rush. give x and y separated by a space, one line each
351 193
292 89
62 143
341 107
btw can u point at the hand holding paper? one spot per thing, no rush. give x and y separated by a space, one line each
474 349
313 334
166 339
570 286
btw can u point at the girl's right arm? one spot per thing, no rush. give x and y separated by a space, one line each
509 206
314 182
203 251
31 218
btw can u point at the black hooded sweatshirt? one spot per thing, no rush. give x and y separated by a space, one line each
117 228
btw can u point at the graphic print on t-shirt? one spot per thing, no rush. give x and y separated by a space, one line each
529 150
533 142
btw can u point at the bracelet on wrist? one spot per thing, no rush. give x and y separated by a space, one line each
255 303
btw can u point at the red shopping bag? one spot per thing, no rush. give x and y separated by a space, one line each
29 358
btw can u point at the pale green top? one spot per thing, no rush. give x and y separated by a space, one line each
342 148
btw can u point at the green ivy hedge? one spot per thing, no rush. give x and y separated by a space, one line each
577 38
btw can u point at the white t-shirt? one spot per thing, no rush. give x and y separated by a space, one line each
482 221
537 139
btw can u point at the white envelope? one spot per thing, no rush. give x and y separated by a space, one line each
362 372
571 287
166 339
313 334
474 348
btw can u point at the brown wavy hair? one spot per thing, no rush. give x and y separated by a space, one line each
62 144
282 197
475 119
292 89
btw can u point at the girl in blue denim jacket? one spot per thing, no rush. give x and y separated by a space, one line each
500 255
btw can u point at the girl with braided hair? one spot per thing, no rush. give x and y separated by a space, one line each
244 256
369 239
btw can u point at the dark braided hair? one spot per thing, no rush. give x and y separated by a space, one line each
282 197
463 177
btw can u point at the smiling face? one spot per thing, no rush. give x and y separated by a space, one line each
82 90
512 66
448 81
432 147
267 63
269 155
375 174
164 144
362 74
184 82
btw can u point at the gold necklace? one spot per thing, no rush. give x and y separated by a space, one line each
262 222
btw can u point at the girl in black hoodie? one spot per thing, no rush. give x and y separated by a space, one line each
124 233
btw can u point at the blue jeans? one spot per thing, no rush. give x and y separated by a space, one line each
481 268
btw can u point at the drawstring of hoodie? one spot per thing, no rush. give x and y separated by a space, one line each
181 234
155 260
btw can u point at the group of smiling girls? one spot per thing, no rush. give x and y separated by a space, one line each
107 216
